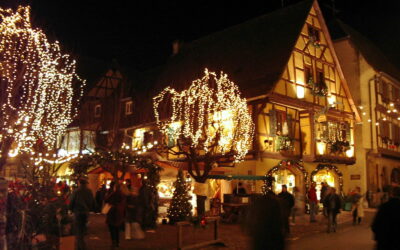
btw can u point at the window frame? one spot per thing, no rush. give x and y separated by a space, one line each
97 110
130 105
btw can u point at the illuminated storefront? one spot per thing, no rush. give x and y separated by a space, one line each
329 174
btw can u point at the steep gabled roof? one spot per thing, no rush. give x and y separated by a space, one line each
370 52
253 53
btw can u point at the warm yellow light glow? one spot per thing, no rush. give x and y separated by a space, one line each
300 91
230 127
12 153
321 147
35 70
332 100
350 152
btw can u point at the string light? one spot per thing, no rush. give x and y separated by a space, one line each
35 70
211 112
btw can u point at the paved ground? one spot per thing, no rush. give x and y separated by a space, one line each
304 236
358 237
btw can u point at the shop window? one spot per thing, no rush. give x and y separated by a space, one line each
280 123
128 107
324 176
283 177
97 110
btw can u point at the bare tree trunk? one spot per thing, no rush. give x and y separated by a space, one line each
3 213
5 149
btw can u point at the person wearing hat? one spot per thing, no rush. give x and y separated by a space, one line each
81 203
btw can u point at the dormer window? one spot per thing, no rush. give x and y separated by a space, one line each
128 107
97 110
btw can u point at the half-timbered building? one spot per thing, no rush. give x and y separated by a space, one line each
286 66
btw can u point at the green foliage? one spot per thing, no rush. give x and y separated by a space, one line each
317 89
339 146
180 208
284 142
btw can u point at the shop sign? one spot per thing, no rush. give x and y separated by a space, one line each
355 177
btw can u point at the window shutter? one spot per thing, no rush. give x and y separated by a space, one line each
272 122
347 127
290 125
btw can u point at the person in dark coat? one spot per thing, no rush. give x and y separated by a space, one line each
323 193
265 223
287 201
131 219
333 204
115 218
386 223
81 203
100 194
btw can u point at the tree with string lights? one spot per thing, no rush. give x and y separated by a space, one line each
36 86
208 124
37 92
180 208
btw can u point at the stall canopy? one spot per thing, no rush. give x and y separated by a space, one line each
238 177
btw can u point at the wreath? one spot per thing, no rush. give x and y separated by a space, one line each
317 89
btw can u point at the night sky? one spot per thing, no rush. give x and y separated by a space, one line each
140 35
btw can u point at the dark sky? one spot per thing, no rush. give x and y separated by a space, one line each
140 35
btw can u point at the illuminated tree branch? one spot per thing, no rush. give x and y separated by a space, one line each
210 121
36 86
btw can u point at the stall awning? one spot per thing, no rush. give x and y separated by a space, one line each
238 177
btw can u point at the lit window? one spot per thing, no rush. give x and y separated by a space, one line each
128 108
97 110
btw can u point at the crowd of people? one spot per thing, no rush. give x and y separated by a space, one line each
123 204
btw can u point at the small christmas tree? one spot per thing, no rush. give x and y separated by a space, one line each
180 208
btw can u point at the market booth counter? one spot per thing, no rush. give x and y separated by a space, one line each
235 206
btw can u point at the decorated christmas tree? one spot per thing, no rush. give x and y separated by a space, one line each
180 208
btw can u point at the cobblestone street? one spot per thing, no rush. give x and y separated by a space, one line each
233 237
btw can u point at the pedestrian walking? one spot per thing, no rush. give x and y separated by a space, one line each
81 203
323 193
333 204
386 223
357 206
132 227
313 201
298 203
115 218
287 201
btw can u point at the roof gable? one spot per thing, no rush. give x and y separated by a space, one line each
370 52
253 53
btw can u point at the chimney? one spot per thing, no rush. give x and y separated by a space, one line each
176 45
